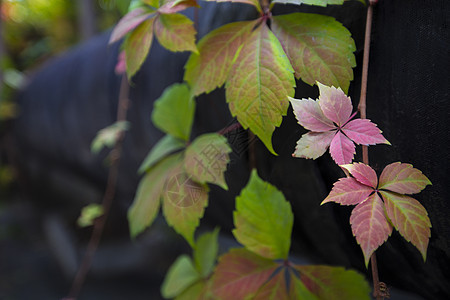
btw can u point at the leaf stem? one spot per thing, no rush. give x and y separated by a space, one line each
108 197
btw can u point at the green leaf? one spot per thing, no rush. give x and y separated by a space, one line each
334 282
174 111
196 291
205 252
259 83
175 32
206 159
89 213
165 146
180 276
299 291
310 2
217 51
240 274
146 203
319 48
263 219
137 46
108 136
255 3
184 203
410 218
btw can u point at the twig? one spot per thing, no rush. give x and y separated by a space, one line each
108 197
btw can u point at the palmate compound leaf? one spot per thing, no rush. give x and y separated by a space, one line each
184 202
175 32
259 83
403 179
319 48
410 218
255 3
173 112
180 276
240 274
263 219
146 203
333 282
370 226
209 68
206 159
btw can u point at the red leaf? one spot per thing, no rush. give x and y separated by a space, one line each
313 144
403 178
364 132
130 21
410 218
348 191
274 289
240 274
370 226
310 116
335 105
342 149
363 173
174 6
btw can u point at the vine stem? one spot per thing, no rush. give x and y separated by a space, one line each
362 110
108 196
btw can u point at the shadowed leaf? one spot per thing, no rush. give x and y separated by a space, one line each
175 32
89 213
107 137
274 289
180 276
348 191
403 178
255 3
196 291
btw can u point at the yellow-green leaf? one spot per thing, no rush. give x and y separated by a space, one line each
175 32
89 213
180 276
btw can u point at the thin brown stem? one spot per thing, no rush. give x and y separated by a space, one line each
108 197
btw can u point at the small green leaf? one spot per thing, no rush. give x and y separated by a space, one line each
108 136
89 213
206 159
174 111
259 83
263 219
184 203
319 48
180 276
146 203
175 32
205 252
165 146
137 46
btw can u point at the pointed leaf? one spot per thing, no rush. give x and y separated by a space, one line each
146 203
184 202
364 132
258 84
263 219
370 226
403 178
310 116
137 46
334 282
410 218
174 111
310 2
175 32
180 276
130 21
255 3
240 273
335 105
319 48
342 149
313 144
206 159
348 191
218 49
363 174
274 289
205 252
174 6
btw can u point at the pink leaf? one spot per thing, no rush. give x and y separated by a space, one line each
364 132
240 274
363 173
310 116
313 144
335 105
348 191
130 21
342 149
370 226
174 6
410 218
403 178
